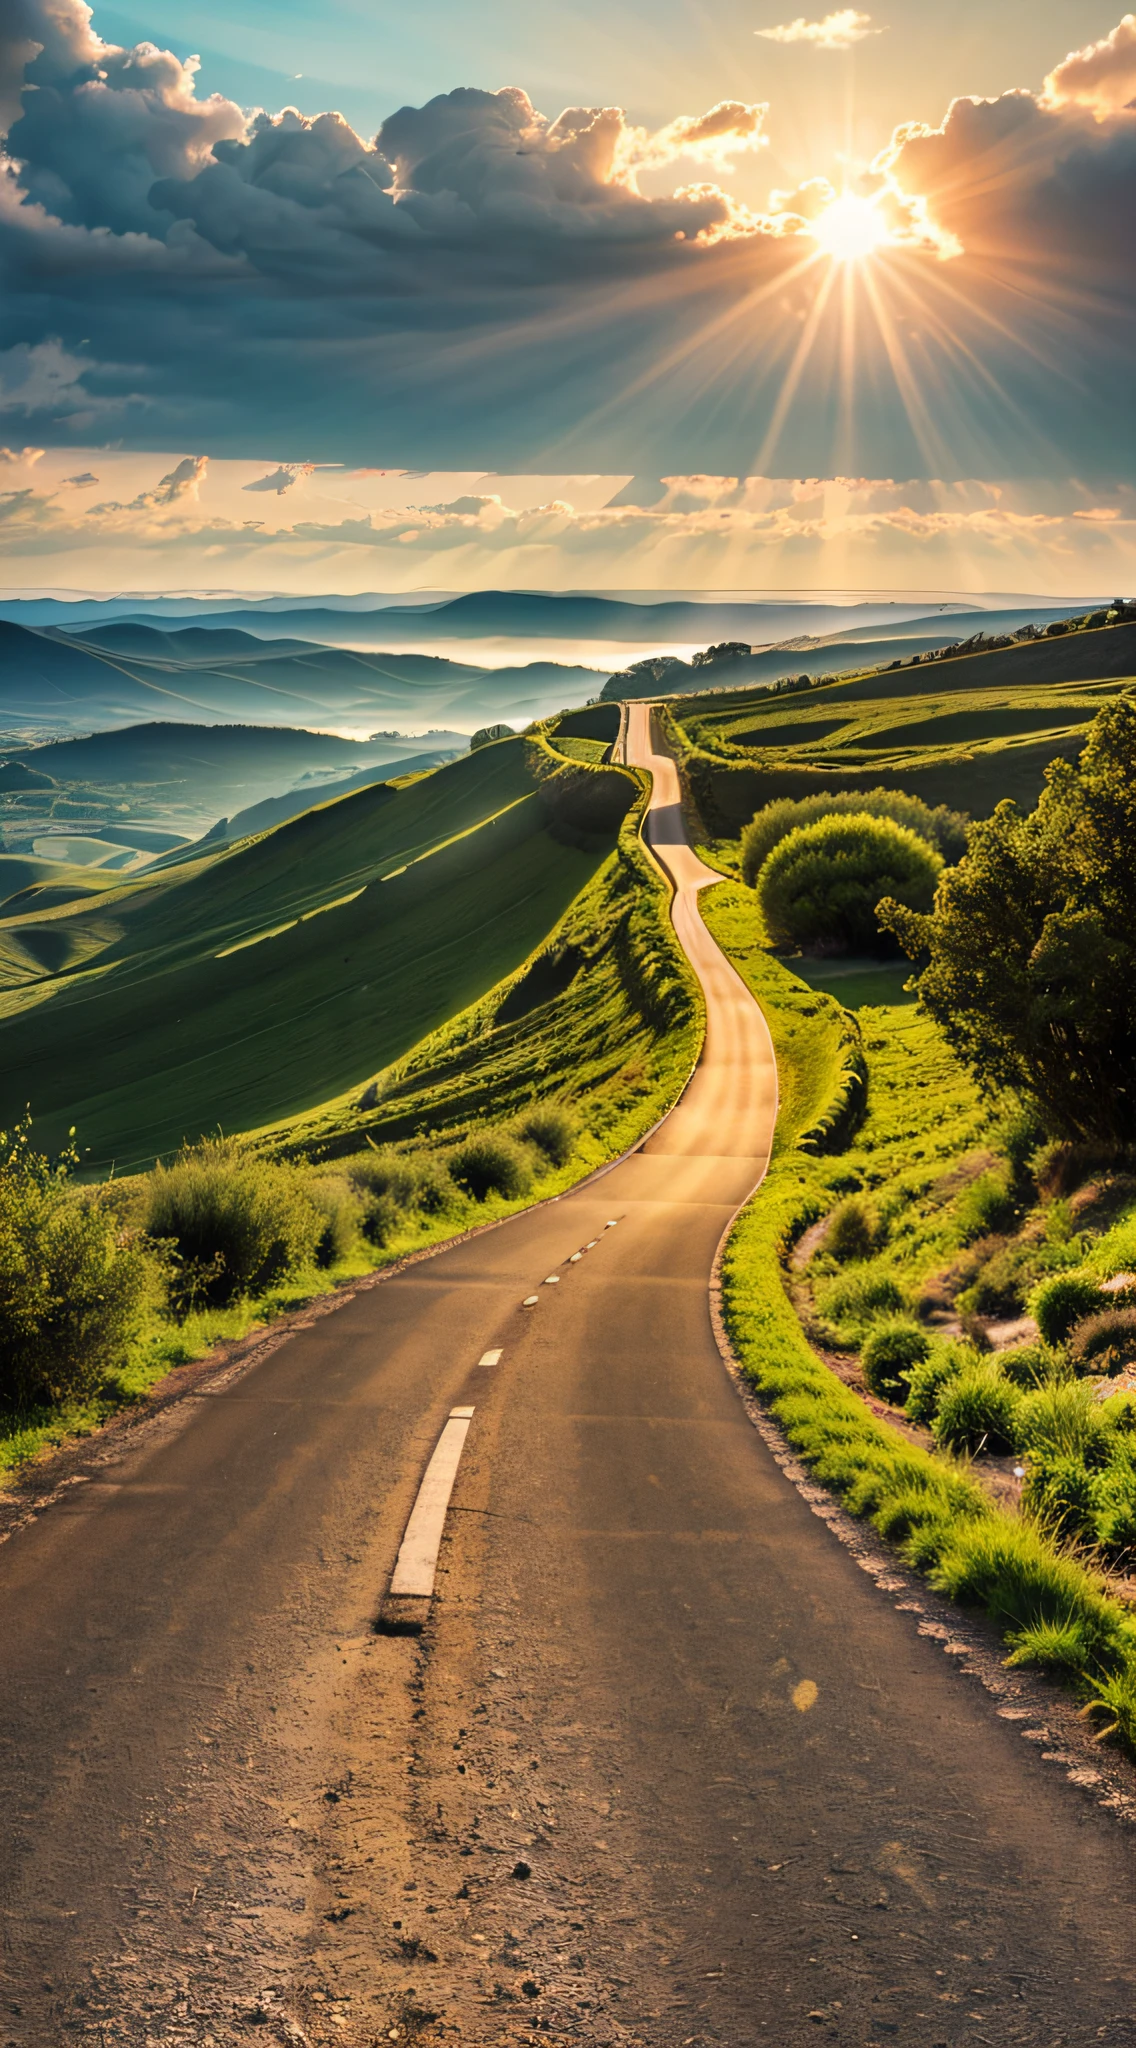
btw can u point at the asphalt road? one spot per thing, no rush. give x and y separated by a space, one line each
753 1802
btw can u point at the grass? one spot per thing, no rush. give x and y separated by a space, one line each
916 1151
574 1063
243 988
967 730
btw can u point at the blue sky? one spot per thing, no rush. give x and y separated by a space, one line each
664 245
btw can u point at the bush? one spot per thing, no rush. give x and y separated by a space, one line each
491 1163
854 1229
943 1363
821 884
1115 1491
75 1292
978 1412
1061 1493
1064 1300
855 1298
405 1182
1032 1365
341 1212
384 1172
942 829
381 1219
986 1206
552 1131
1104 1343
891 1351
237 1223
1065 1422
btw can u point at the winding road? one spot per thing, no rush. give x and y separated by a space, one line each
666 1767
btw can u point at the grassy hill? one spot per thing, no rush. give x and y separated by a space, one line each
163 784
965 730
245 987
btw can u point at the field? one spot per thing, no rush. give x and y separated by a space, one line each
965 730
933 1165
243 988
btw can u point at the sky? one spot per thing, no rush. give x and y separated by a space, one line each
625 293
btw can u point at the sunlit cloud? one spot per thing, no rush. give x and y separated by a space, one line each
484 284
1102 76
838 31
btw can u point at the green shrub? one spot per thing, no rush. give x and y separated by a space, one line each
1065 1646
1061 1493
406 1182
551 1129
1008 1568
821 884
1104 1343
1064 1300
491 1163
1064 1421
1115 1492
381 1218
237 1223
978 1412
890 1352
942 829
986 1206
75 1292
999 1288
852 1300
341 1213
384 1171
1113 1703
943 1363
1032 1365
854 1229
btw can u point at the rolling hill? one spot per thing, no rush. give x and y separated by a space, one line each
250 984
965 730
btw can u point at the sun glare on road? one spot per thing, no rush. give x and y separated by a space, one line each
850 229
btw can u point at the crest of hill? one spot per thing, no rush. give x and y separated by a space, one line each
184 644
965 729
164 750
255 982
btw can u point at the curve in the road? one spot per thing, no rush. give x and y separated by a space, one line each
754 1802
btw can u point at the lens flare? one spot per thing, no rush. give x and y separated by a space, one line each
850 229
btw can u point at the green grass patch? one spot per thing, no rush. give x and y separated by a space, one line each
923 1121
244 987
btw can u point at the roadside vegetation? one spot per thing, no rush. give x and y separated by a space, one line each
109 1284
937 1285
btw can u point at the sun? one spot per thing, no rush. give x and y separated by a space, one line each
850 229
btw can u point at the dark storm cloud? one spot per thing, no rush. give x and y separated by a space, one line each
479 285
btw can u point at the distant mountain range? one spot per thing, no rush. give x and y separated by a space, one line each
121 672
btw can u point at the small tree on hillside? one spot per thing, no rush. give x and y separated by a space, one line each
820 885
1032 944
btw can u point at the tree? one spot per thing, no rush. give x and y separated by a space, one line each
820 885
1031 950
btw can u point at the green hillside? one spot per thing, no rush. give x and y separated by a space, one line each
965 730
245 987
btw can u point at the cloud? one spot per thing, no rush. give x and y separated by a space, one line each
837 31
282 479
79 483
1101 77
9 456
179 488
699 530
483 285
